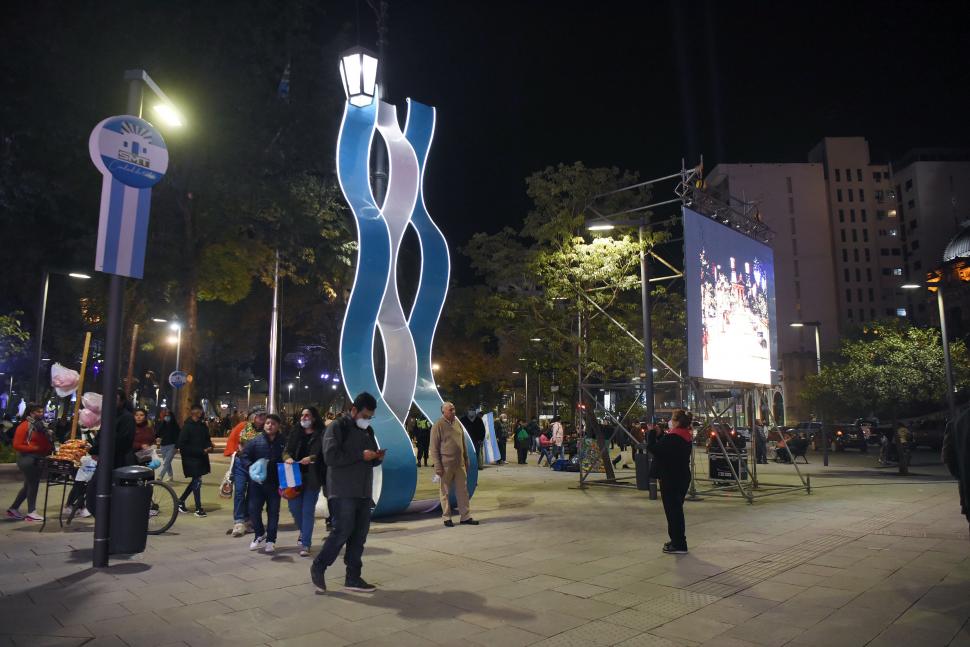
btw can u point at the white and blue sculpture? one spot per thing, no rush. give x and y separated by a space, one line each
374 301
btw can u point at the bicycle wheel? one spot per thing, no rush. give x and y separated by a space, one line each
164 508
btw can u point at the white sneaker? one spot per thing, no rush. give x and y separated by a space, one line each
33 516
84 514
304 552
238 530
270 547
257 543
67 511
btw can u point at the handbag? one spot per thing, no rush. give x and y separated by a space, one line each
225 490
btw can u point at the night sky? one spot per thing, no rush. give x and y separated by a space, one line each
520 86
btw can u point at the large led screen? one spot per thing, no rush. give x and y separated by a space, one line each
730 286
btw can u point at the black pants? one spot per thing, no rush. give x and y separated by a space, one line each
423 451
351 522
672 494
523 453
195 489
480 453
78 494
503 445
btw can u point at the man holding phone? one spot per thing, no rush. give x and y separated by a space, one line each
350 452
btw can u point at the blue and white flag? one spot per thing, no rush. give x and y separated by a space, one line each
289 474
491 444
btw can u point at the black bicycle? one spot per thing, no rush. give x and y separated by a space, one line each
162 511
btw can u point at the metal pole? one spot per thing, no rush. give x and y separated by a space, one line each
130 376
112 361
178 359
274 338
380 153
249 393
39 343
647 335
946 356
527 395
818 369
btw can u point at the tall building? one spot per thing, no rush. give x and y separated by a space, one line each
932 190
792 201
866 241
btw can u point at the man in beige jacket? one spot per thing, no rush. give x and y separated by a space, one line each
450 456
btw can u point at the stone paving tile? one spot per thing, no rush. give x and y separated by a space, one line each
548 623
505 636
777 591
825 597
767 635
637 619
651 640
581 589
896 635
695 627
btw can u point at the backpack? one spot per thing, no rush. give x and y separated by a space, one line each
522 435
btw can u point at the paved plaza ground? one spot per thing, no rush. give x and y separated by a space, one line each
869 558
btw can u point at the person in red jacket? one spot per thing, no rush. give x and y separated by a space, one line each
31 442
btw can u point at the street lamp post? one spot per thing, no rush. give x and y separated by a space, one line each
137 80
41 319
817 325
947 360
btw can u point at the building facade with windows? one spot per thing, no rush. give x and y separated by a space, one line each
932 190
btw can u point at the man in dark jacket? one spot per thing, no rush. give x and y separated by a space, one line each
475 426
194 445
168 434
956 457
351 453
671 464
268 445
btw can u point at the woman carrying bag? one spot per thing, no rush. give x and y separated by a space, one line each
305 446
671 464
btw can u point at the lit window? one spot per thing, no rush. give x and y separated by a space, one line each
900 312
897 271
892 232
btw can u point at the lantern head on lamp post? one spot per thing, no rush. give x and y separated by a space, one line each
358 71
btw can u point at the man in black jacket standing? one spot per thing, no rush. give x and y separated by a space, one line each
475 426
351 453
124 438
671 464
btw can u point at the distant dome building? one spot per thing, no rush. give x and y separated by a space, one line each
959 246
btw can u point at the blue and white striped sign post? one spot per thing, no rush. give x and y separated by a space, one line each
132 157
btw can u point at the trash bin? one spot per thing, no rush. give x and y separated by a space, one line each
641 463
131 498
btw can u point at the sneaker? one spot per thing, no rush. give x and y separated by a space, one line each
304 552
468 522
238 529
269 547
257 543
199 512
299 541
358 584
33 516
182 507
67 511
449 523
674 550
13 513
317 577
84 514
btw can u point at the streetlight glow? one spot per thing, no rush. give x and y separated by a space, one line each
172 339
910 286
159 320
601 227
78 275
536 339
175 326
358 71
797 324
436 367
168 114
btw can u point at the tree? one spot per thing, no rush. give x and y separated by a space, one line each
890 369
13 338
544 277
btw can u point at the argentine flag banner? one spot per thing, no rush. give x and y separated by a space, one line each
289 475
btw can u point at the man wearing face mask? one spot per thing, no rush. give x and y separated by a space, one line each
351 454
476 430
450 456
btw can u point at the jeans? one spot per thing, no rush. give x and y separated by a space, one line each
351 522
261 494
672 495
195 488
544 453
302 509
27 464
240 491
168 453
534 443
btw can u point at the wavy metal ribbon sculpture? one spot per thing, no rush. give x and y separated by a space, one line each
374 301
